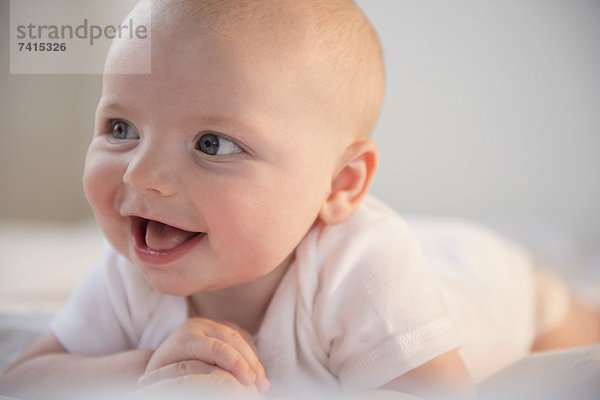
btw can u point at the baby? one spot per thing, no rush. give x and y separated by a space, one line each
242 250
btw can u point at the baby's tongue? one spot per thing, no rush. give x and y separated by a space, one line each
161 237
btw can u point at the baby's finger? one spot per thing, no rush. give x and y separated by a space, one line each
215 351
181 368
242 342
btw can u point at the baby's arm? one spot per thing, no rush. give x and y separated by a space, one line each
46 367
203 352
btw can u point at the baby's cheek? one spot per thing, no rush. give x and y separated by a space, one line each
101 184
97 184
267 245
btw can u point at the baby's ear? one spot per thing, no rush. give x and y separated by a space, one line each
351 181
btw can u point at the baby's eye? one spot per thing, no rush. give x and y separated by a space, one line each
122 130
216 145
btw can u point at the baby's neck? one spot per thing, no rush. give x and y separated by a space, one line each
244 305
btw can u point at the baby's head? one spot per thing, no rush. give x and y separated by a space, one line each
253 125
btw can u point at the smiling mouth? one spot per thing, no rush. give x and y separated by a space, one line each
158 243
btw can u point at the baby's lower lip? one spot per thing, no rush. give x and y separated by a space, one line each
158 257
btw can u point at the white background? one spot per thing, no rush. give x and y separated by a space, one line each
492 109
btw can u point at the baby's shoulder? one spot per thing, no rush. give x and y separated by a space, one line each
374 223
376 236
375 241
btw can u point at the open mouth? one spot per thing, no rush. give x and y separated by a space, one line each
158 243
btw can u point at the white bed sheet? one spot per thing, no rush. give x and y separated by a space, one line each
41 262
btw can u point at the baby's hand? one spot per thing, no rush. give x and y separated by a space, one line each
214 344
187 379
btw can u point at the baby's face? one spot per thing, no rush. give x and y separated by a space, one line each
208 172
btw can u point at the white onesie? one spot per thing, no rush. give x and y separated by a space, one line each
363 302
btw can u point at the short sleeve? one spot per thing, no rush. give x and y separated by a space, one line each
108 311
378 310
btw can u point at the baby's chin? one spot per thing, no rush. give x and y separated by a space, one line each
170 286
177 280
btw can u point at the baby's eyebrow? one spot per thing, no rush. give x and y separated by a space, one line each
237 127
111 105
233 125
243 126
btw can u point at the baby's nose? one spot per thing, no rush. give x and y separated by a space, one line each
151 169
